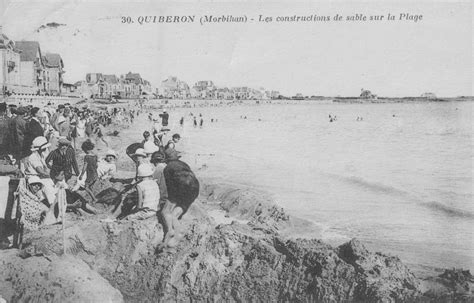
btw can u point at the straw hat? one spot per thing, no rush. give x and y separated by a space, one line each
140 152
144 170
39 143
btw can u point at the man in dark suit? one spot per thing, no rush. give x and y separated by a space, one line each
18 130
5 132
33 130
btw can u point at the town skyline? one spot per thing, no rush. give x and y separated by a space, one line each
333 60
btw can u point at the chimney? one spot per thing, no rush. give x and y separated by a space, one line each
1 29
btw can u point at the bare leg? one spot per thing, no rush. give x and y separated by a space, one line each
177 211
91 194
90 208
168 221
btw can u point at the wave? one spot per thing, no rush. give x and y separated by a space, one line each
449 210
390 190
373 186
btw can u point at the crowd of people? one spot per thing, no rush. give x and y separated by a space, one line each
41 144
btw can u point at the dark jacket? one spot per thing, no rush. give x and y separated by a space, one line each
60 162
181 183
5 135
18 130
33 130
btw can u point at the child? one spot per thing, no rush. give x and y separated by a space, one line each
146 136
90 165
99 132
148 197
107 168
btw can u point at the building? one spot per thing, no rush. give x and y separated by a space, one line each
9 65
69 89
31 67
241 93
174 88
224 94
204 90
130 85
367 94
112 87
53 73
428 95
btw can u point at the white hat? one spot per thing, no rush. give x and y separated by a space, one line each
144 170
39 143
34 179
140 152
164 110
149 147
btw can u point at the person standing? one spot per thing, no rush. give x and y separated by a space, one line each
64 124
5 131
164 118
90 166
18 130
33 129
158 160
63 159
170 148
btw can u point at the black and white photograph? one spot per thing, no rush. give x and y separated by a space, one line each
236 151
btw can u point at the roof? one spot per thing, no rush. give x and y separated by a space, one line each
53 60
135 77
5 42
111 79
28 49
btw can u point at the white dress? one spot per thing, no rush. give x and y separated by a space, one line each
81 128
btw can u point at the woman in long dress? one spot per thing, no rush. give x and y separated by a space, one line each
81 126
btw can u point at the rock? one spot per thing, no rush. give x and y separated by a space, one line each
52 279
250 261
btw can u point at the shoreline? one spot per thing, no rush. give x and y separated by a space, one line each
197 103
123 162
220 206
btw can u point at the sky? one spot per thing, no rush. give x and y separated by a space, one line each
391 58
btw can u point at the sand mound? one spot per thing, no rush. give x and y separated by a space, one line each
52 279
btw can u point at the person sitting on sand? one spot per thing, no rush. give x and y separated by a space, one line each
34 209
142 156
170 148
73 199
146 136
106 168
148 195
183 188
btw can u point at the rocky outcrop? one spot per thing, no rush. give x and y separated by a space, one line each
249 259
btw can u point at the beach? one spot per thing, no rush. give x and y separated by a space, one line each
400 180
369 195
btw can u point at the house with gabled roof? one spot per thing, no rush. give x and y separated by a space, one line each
9 65
53 73
31 66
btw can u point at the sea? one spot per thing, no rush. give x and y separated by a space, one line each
396 176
